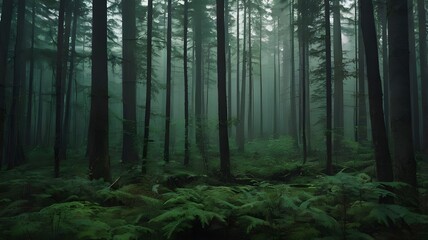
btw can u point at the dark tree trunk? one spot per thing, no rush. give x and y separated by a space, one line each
414 90
329 162
129 82
99 160
238 112
362 109
303 28
250 126
186 86
229 66
293 104
58 87
168 84
14 155
5 26
261 72
424 71
385 65
40 110
338 76
28 135
275 89
241 121
222 98
380 140
401 119
67 118
148 84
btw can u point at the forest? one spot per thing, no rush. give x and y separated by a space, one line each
203 119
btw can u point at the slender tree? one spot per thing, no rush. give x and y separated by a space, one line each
329 165
168 84
28 136
5 26
221 86
98 140
362 109
380 140
14 151
293 104
186 85
148 83
338 75
129 81
424 71
399 73
241 123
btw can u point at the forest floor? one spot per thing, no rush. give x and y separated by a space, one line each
273 196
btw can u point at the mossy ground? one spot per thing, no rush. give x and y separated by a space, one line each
272 196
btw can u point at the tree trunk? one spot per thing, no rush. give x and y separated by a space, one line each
241 121
414 90
99 160
40 110
338 76
28 135
401 119
67 118
385 66
303 28
148 84
362 110
329 162
129 82
380 140
424 71
250 126
261 73
5 26
293 104
14 155
222 98
186 86
168 84
238 112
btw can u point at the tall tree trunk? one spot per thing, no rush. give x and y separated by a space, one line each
275 88
199 86
238 112
148 84
222 98
14 155
329 162
40 110
380 140
293 104
5 26
186 85
401 119
261 72
362 110
168 84
28 135
129 82
241 123
229 65
385 65
303 28
424 71
58 87
338 76
99 160
67 118
250 79
414 90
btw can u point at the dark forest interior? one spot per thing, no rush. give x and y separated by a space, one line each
203 119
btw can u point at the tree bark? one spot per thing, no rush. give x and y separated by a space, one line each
221 87
380 140
5 26
168 84
129 82
401 119
338 76
99 160
186 86
329 162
